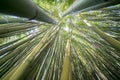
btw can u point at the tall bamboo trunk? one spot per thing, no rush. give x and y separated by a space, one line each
3 21
18 71
86 5
24 8
66 71
18 43
109 39
7 29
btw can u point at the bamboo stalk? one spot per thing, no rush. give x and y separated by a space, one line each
66 72
2 21
38 61
4 29
98 6
26 62
13 46
9 43
18 58
109 39
17 32
82 5
42 61
24 8
16 51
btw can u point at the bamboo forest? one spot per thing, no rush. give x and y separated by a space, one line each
59 39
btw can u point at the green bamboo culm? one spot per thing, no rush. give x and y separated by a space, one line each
18 43
66 71
115 43
3 21
109 39
24 8
17 72
7 29
98 6
86 5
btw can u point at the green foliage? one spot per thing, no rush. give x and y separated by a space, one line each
36 50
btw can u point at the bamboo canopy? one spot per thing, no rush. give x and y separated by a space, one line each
24 8
83 46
